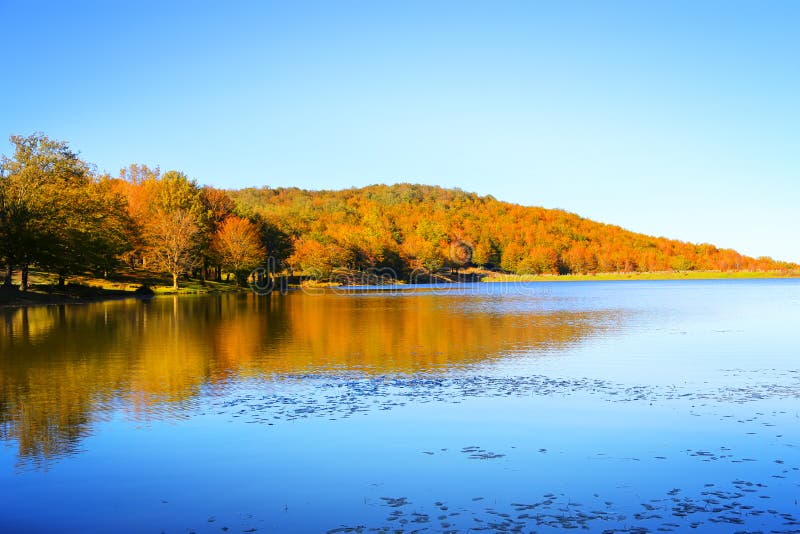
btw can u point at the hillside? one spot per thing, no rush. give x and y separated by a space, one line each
407 226
57 216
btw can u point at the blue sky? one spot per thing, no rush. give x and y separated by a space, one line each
671 118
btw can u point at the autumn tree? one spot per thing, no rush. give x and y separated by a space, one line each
277 242
237 246
512 256
420 227
216 207
318 259
55 213
138 174
537 260
169 214
172 242
484 253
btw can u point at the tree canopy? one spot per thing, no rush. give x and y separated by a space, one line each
417 227
55 213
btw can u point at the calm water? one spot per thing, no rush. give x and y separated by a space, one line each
603 406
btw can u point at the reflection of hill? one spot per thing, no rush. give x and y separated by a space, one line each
61 367
411 334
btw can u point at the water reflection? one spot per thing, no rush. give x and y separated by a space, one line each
63 367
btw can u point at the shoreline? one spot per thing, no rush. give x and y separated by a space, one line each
654 276
17 299
82 294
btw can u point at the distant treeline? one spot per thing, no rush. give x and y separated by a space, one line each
58 215
410 227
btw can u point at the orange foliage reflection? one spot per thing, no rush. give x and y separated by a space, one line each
63 367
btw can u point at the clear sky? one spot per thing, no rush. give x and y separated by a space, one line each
671 118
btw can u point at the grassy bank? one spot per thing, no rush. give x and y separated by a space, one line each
44 289
665 275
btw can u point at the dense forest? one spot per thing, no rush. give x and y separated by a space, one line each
410 226
59 215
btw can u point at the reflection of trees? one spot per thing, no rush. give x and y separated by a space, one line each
412 334
62 367
49 387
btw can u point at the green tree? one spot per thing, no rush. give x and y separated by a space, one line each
89 230
37 203
681 263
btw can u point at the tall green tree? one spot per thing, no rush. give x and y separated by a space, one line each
37 186
90 230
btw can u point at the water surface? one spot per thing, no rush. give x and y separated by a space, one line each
619 406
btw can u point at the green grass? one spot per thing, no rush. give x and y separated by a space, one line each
43 288
666 275
130 280
195 287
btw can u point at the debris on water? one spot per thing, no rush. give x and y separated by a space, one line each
395 502
721 502
697 509
341 396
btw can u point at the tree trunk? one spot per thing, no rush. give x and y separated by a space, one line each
61 281
9 275
24 285
219 273
175 281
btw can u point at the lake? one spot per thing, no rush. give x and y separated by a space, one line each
607 406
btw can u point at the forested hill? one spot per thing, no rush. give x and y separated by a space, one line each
409 226
58 216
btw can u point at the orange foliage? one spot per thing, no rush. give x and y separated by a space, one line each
237 246
429 227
